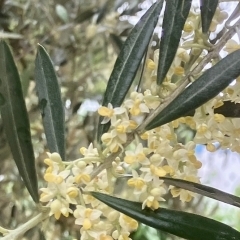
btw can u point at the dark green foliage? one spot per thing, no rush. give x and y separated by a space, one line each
175 15
15 120
50 102
208 8
186 225
128 61
204 190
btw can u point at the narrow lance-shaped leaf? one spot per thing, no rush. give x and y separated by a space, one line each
175 15
15 120
128 60
208 8
204 190
186 225
206 87
50 102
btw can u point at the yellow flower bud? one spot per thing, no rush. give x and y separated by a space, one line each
188 27
144 136
190 122
155 192
168 169
132 223
72 192
58 179
82 177
105 112
175 191
211 148
189 198
219 118
135 110
65 212
197 164
121 129
129 159
48 161
105 237
55 157
49 170
218 104
152 203
43 196
141 156
139 183
119 170
179 71
49 177
132 124
83 150
202 129
87 224
159 171
88 212
151 64
114 149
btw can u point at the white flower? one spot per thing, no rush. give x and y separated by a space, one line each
58 207
136 104
86 216
128 224
89 152
108 112
139 183
81 172
137 156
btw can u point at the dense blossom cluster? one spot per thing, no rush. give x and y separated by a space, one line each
155 154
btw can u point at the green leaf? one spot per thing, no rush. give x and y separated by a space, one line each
175 15
62 13
208 8
204 190
129 60
15 120
186 225
50 102
206 87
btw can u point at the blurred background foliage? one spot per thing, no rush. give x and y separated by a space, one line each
83 39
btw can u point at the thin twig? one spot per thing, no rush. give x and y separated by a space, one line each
18 232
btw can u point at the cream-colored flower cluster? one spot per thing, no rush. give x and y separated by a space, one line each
64 196
212 129
154 154
143 161
126 118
